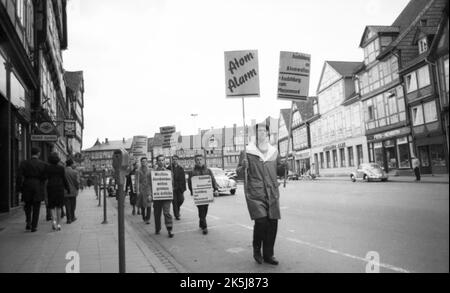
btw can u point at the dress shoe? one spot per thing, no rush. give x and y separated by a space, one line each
74 219
28 227
69 222
271 260
147 222
205 231
58 228
33 229
157 232
133 212
54 225
257 255
170 234
48 218
177 218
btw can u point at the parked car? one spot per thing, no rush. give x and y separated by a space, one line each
231 174
369 172
226 185
292 175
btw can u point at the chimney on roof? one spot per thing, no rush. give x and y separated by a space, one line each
106 141
97 142
123 140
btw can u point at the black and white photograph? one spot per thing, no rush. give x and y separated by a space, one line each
224 142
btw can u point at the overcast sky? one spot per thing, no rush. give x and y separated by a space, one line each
153 63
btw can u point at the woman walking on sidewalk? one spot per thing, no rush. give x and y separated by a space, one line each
56 184
144 190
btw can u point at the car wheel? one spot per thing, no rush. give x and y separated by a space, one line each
352 177
366 178
383 180
233 191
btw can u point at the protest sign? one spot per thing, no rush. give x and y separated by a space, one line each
202 190
162 185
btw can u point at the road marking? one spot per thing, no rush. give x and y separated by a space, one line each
387 266
235 250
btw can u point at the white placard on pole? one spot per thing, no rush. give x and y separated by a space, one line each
162 185
241 74
202 190
293 79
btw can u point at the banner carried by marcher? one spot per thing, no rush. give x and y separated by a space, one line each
202 190
162 185
139 147
242 74
293 79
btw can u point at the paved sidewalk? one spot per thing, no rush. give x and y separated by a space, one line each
45 250
441 178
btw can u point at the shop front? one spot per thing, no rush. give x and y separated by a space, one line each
302 161
392 150
431 154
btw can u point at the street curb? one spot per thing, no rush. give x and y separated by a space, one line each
159 258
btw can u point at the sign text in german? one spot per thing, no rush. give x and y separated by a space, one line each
162 185
241 74
293 79
202 190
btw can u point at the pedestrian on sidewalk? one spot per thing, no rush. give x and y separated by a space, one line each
179 186
56 184
96 182
162 206
263 165
416 166
199 170
130 187
144 190
70 198
31 185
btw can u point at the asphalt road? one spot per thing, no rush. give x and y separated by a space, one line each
326 227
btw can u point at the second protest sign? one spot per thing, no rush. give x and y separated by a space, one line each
202 190
162 185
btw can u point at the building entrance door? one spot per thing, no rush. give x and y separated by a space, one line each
391 158
424 157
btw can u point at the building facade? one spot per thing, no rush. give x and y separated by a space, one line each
338 142
99 157
75 95
18 86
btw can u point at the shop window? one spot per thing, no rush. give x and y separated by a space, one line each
403 153
335 159
342 155
351 162
378 153
437 155
359 152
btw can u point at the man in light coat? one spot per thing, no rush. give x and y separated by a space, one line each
70 198
263 164
162 206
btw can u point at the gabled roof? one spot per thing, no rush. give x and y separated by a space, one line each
111 145
407 20
285 114
442 35
424 32
345 68
74 80
379 29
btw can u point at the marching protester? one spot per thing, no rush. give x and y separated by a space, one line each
179 186
263 164
70 199
56 183
162 206
144 190
201 169
131 188
416 166
30 183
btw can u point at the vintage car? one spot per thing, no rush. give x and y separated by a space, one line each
369 172
226 185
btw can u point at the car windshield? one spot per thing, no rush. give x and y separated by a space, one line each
372 166
218 172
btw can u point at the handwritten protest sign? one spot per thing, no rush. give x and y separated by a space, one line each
202 190
241 74
162 185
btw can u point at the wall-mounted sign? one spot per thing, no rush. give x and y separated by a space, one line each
44 137
46 127
70 128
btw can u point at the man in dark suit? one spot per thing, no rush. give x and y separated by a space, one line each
179 186
30 183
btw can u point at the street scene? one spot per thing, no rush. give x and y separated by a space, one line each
180 138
